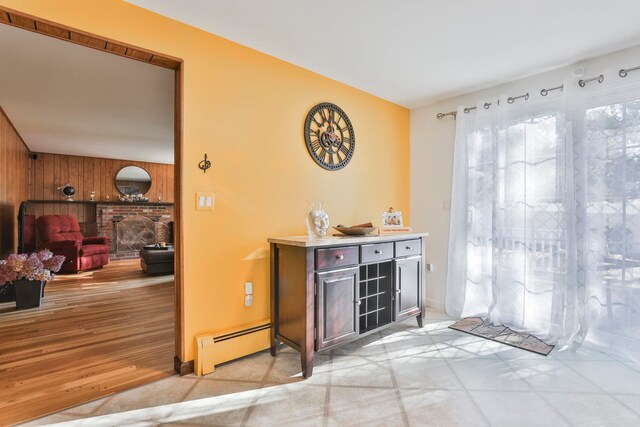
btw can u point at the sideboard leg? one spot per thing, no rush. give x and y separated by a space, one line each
273 260
307 345
307 363
419 319
274 346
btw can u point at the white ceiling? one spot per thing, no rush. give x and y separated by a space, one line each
69 99
414 52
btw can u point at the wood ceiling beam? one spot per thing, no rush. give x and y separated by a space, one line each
51 29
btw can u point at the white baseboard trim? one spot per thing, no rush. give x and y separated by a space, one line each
437 304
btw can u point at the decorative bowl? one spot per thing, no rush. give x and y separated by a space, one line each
355 231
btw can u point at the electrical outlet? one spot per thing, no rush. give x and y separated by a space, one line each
248 300
248 288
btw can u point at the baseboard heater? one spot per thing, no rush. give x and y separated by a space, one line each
223 346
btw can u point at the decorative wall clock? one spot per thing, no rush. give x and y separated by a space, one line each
329 136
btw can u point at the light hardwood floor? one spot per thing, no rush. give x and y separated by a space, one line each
95 334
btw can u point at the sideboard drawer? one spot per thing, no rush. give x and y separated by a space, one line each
408 248
376 252
336 257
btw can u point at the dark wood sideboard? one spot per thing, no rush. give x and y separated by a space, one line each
328 292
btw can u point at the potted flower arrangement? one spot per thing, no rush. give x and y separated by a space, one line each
29 274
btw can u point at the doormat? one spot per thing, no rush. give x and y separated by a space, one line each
476 326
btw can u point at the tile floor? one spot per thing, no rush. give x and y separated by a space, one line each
404 375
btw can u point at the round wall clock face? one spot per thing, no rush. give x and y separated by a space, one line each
329 136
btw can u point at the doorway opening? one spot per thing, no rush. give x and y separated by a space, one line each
112 320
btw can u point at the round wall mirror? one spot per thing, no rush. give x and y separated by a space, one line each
132 180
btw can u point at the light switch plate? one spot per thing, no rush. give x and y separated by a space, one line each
248 288
205 201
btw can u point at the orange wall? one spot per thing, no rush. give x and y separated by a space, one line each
14 183
246 110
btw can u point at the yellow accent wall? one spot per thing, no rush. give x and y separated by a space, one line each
246 110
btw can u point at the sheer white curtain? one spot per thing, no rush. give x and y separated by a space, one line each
510 235
545 222
607 144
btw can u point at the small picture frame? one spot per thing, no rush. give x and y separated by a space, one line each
392 219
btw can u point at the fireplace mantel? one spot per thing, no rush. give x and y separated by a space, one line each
103 202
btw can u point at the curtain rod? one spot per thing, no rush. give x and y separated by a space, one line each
624 72
599 78
443 115
544 92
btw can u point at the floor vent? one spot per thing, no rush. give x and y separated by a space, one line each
214 349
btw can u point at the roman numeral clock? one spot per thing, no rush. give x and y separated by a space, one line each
329 136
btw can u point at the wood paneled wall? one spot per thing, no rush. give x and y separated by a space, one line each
88 174
86 214
14 182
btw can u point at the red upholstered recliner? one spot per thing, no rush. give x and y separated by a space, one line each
61 235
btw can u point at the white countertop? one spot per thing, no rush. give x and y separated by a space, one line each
313 242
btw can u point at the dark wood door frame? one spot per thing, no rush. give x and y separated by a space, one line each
63 32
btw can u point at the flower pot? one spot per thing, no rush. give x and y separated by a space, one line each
7 293
28 293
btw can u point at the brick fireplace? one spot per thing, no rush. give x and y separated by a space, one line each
131 226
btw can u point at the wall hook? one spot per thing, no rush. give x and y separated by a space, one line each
204 164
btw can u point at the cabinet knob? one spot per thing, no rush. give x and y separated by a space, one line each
358 302
378 252
340 257
408 248
398 291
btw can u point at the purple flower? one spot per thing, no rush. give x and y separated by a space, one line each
43 275
33 267
7 274
36 266
54 263
17 261
45 254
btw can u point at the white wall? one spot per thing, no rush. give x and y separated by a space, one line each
432 143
